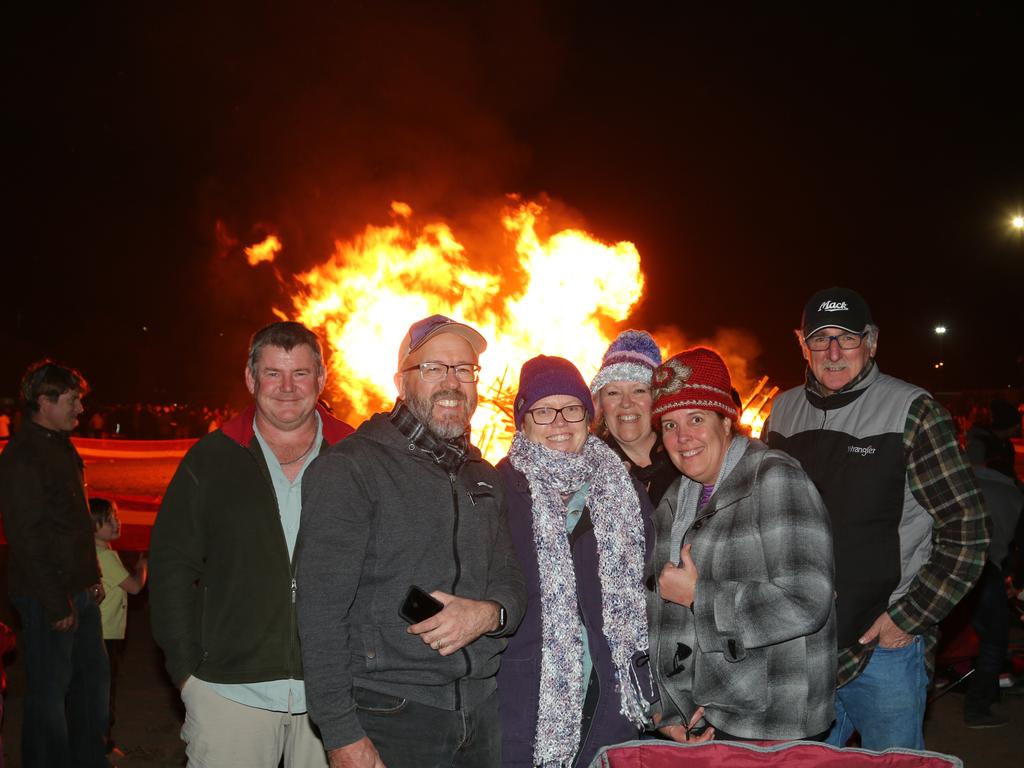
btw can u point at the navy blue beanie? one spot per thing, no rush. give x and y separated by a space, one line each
542 376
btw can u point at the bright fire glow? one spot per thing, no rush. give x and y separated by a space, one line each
550 294
264 251
756 407
529 287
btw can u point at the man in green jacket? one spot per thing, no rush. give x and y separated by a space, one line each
222 582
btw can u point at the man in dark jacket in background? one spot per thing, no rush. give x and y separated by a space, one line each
408 501
54 579
222 582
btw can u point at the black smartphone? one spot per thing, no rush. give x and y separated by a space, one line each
418 606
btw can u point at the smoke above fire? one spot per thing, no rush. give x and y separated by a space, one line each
531 282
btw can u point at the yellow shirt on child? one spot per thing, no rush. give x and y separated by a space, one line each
114 608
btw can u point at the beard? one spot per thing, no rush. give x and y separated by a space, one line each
446 428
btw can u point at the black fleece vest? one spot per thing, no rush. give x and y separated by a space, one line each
851 446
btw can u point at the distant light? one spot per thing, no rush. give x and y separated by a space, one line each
939 365
1017 222
940 329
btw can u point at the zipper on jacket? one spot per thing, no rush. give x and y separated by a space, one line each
453 478
203 634
256 453
293 669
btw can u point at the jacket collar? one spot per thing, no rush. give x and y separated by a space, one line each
736 485
32 427
240 428
818 397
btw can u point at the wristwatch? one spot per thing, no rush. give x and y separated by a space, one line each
502 621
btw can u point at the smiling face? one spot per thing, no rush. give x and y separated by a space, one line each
559 435
626 406
445 406
285 387
696 441
836 367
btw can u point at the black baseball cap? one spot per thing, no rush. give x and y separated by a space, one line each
835 308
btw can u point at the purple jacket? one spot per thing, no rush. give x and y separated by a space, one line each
519 674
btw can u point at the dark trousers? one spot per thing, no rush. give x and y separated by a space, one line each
115 650
412 735
991 621
67 682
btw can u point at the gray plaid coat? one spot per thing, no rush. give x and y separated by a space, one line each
758 649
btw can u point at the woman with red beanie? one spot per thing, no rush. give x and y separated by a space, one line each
741 612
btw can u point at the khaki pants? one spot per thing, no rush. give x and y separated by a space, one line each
220 733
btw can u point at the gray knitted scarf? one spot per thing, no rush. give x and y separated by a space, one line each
619 530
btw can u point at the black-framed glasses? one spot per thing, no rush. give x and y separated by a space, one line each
467 373
571 413
819 342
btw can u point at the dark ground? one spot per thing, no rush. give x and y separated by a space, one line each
149 711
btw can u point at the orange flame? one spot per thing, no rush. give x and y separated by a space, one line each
531 293
553 296
263 251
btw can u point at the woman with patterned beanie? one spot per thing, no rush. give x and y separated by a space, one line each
574 677
742 617
622 406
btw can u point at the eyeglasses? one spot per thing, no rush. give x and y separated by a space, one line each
820 342
467 373
571 413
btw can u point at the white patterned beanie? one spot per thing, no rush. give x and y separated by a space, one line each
633 356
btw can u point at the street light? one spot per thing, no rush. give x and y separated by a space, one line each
940 332
1017 222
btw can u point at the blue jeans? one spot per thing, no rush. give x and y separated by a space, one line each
412 735
885 703
67 682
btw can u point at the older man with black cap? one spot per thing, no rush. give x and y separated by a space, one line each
408 502
908 521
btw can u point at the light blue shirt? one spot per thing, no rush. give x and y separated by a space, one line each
277 695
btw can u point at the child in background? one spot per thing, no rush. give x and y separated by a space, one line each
118 583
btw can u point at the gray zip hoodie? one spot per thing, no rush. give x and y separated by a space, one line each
379 515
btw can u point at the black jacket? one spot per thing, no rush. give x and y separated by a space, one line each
45 512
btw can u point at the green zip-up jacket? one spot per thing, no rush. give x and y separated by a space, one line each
222 586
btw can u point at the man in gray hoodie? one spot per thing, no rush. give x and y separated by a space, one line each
405 501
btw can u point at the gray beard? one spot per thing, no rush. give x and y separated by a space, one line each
423 409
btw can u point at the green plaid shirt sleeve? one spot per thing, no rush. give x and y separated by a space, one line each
943 484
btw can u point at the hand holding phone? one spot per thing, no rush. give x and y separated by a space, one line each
419 605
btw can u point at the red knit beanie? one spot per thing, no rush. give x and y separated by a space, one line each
696 378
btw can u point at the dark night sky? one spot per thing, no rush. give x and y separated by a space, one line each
752 158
